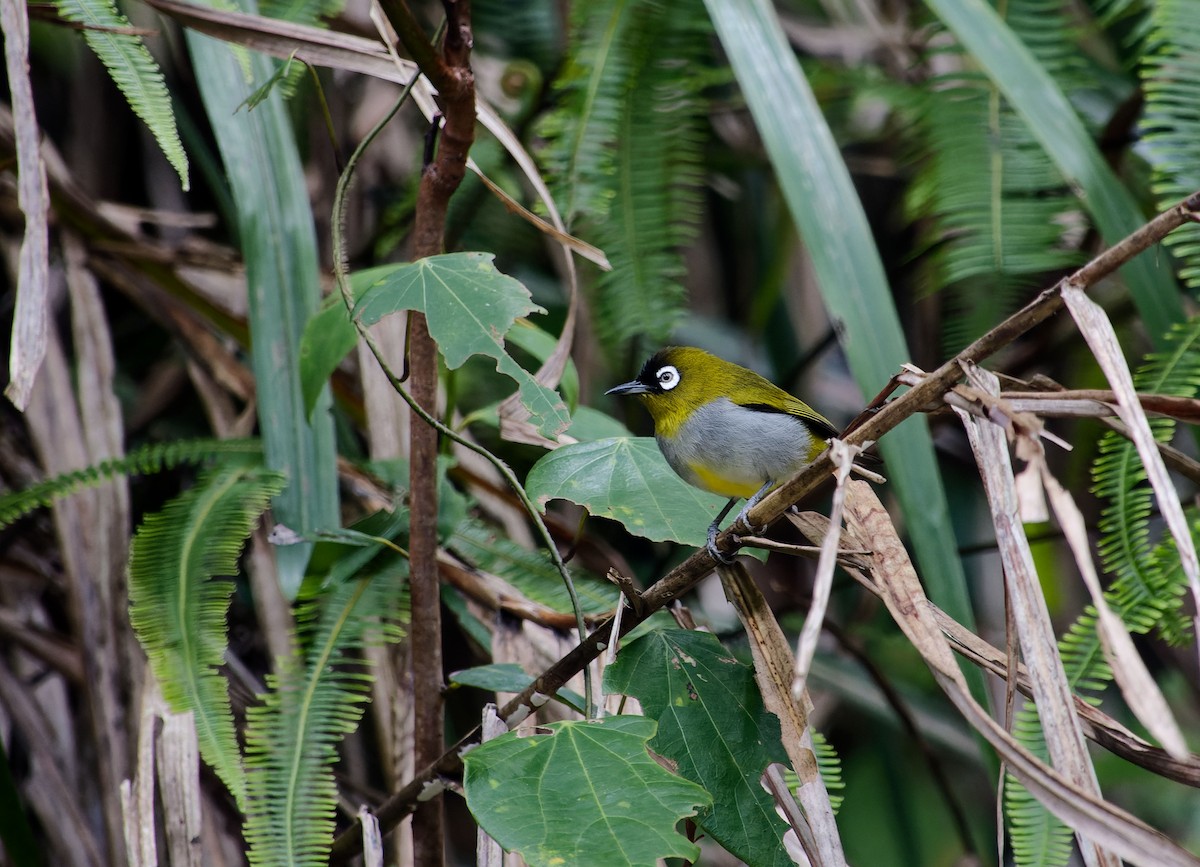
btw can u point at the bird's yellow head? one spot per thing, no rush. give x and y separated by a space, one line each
676 381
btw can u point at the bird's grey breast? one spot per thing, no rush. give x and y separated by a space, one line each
745 444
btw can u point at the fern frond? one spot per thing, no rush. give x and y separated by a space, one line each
624 149
1038 839
531 30
178 610
580 134
1140 589
1171 126
300 11
830 765
994 214
314 701
133 70
146 460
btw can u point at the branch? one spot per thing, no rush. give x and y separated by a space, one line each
451 74
686 575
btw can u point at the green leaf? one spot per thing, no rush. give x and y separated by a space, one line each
540 344
827 210
591 424
281 73
470 307
509 677
133 70
278 241
587 793
178 610
712 724
628 480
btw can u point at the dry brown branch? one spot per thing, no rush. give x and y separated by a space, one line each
774 668
1097 725
1093 819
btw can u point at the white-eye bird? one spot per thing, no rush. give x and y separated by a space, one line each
724 428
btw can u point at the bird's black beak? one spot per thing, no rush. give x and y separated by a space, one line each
633 387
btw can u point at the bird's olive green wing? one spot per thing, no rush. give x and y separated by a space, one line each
813 420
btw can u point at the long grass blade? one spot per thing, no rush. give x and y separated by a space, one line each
279 244
822 200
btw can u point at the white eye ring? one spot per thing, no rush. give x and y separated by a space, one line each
668 377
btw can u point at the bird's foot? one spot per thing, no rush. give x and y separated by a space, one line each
741 518
711 546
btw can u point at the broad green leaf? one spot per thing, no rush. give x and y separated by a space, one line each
587 793
830 217
628 480
177 607
470 307
540 344
508 677
278 241
1036 96
712 724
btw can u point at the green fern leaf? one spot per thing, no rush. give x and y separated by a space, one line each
633 80
314 700
993 213
144 461
178 610
1171 126
133 70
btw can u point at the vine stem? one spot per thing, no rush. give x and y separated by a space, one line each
342 277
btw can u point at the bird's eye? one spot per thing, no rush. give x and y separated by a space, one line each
668 377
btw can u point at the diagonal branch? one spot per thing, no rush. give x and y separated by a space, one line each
686 575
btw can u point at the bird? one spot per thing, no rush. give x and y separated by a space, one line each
725 429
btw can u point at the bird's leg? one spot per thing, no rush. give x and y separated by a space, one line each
713 529
751 503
